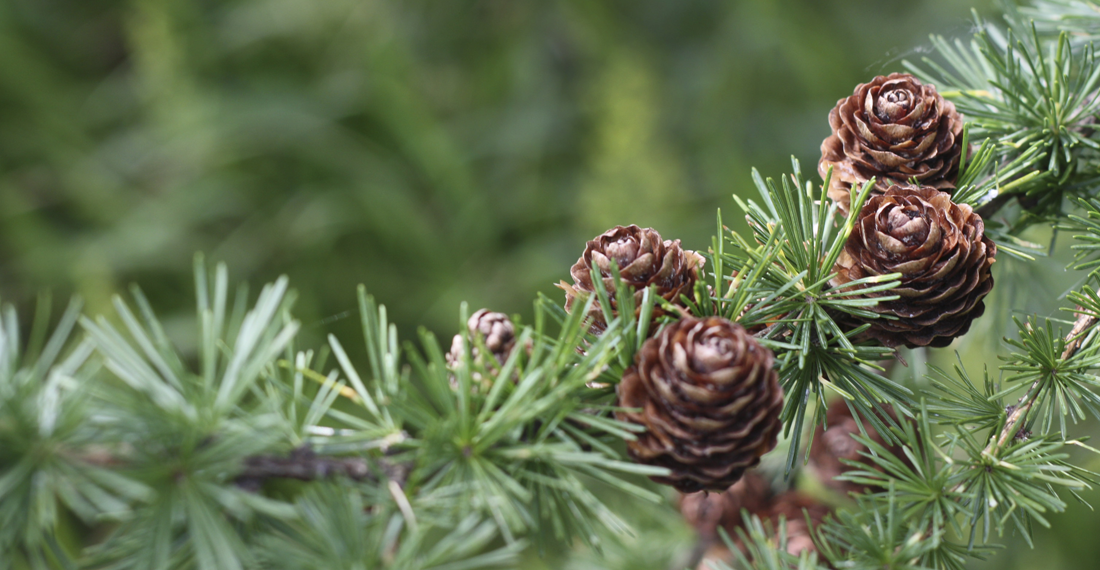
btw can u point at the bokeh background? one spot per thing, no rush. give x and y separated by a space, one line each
437 152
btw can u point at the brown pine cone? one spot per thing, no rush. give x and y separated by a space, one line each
833 442
792 505
710 402
942 254
495 329
894 129
706 512
644 259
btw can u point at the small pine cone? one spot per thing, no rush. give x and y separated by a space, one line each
894 129
706 512
710 402
833 442
643 258
497 331
942 254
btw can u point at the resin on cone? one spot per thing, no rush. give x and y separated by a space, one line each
709 398
893 129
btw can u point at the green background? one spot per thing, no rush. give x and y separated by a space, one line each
436 152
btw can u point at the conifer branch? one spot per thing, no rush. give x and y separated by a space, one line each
519 431
1018 416
990 208
303 464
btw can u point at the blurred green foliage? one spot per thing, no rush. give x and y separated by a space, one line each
434 151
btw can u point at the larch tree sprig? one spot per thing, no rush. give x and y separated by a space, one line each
756 369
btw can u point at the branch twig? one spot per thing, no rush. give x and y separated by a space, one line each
302 464
991 207
1018 417
305 465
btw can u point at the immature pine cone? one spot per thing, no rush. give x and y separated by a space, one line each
709 399
942 254
644 259
832 444
893 129
497 331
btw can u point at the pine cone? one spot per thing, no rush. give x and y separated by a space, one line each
759 501
643 258
833 443
495 329
894 129
709 399
706 512
942 254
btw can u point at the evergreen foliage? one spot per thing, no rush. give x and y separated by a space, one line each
260 453
780 281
